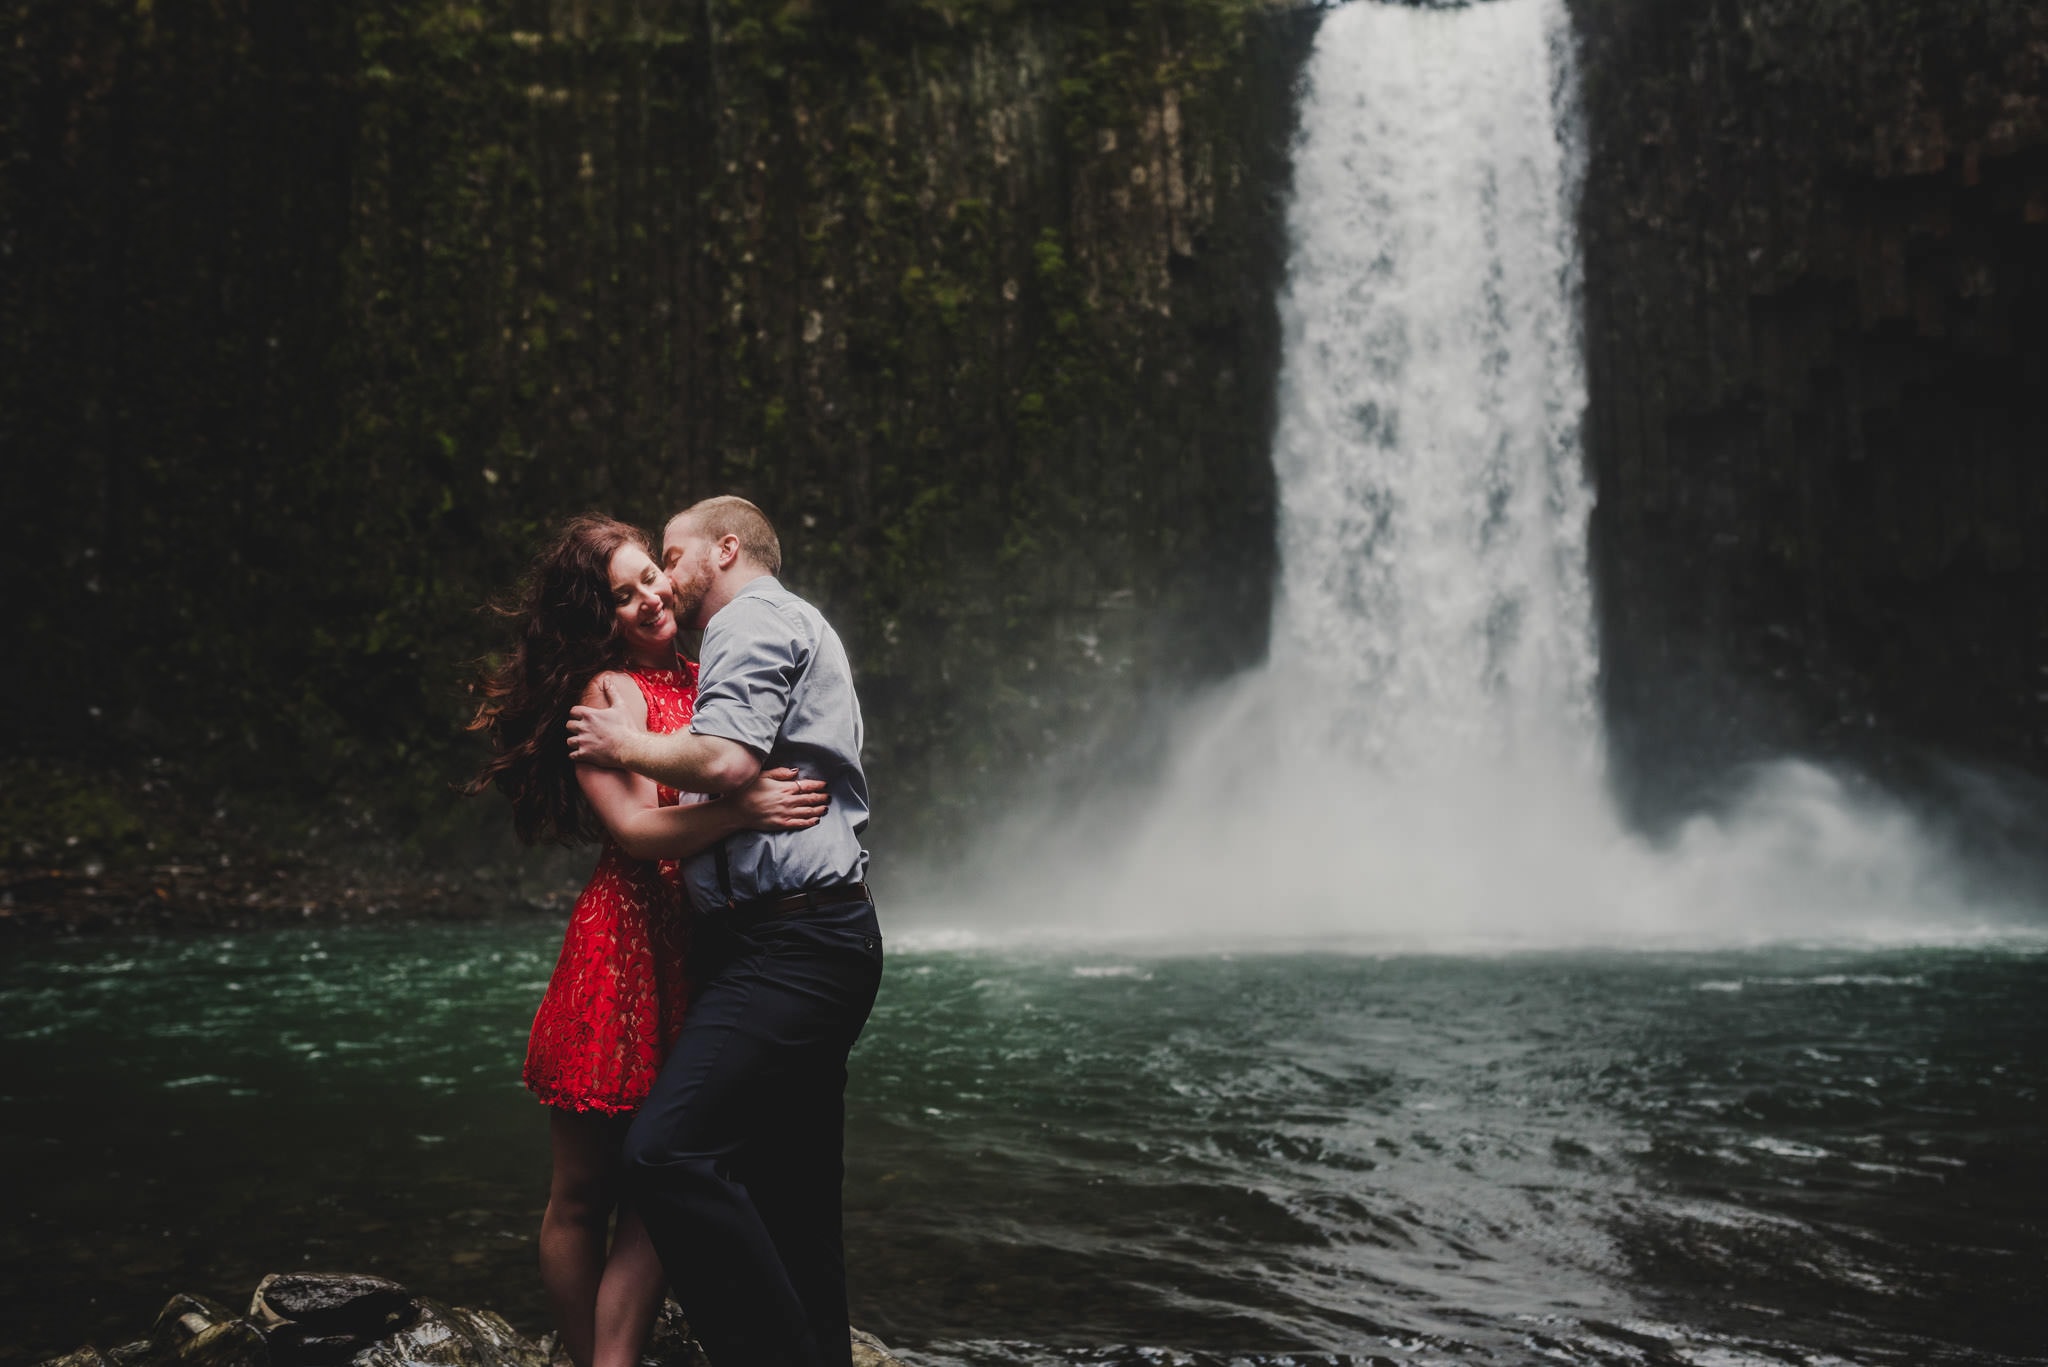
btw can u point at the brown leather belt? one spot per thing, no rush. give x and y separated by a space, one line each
783 903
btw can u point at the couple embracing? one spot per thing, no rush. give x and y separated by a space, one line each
721 962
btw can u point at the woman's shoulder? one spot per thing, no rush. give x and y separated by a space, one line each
621 686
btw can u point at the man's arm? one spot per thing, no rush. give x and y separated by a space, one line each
615 736
777 800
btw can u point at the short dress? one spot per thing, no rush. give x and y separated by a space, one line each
615 1003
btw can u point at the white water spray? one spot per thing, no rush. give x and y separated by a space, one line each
1421 763
1433 504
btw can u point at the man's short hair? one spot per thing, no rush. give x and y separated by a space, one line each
730 515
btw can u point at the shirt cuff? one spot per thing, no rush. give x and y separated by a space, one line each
729 728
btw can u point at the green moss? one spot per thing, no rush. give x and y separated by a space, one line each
466 278
61 816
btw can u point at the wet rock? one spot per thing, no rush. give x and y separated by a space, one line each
449 1336
322 1319
84 1357
183 1318
292 1345
230 1343
1097 320
339 1320
869 1351
331 1304
670 1343
192 1331
1814 340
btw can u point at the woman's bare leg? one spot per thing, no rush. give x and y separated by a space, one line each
629 1294
572 1233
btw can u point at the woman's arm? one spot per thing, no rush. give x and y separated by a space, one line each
630 809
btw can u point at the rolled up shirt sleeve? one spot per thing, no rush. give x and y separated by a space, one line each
752 657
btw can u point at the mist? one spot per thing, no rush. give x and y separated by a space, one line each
1421 766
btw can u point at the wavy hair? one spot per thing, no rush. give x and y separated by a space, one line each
566 633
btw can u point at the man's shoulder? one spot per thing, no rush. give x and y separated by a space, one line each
768 595
765 607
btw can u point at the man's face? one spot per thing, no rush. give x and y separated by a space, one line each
687 557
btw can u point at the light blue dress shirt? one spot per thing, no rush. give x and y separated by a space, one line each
773 675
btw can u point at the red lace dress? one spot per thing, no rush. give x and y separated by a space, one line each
616 1000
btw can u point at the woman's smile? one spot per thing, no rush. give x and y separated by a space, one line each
644 601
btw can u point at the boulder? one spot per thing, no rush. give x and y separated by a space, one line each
322 1319
292 1345
87 1356
229 1343
308 1319
869 1351
331 1304
183 1318
449 1336
192 1331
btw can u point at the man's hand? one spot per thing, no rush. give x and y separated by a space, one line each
615 736
605 735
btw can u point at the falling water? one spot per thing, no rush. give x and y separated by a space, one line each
1421 762
1433 503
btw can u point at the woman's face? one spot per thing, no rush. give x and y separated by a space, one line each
641 597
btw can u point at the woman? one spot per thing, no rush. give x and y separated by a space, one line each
596 608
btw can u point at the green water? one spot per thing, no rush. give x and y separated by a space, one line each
1767 1156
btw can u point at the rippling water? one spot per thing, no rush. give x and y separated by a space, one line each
1788 1155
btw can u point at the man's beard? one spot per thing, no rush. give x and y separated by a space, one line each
690 594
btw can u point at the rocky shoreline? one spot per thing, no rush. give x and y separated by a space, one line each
329 1319
44 901
151 848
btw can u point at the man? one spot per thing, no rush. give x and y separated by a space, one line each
736 1155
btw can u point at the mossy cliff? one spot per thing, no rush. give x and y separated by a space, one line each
320 314
1816 262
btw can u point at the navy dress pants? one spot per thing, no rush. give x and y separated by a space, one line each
735 1158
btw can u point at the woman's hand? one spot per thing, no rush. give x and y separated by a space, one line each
780 800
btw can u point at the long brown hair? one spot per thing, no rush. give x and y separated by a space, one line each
566 633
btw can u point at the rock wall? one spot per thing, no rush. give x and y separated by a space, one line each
1816 260
319 315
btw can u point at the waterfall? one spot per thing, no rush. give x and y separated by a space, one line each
1434 505
1420 764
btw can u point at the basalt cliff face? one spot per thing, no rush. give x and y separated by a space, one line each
319 316
1815 239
